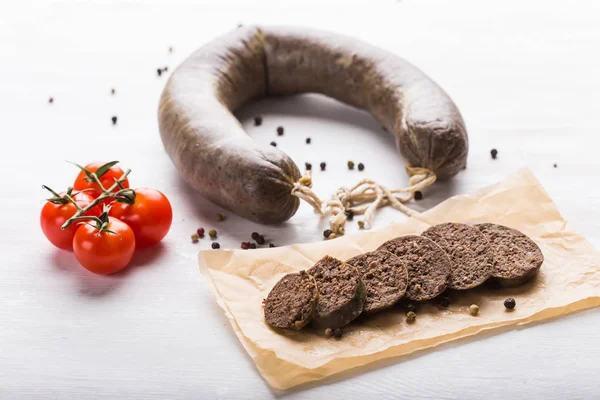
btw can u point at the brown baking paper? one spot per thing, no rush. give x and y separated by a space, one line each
569 280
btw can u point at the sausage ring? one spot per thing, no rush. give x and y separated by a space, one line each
213 153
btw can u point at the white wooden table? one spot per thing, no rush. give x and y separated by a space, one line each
524 74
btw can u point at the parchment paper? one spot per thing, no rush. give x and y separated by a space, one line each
569 280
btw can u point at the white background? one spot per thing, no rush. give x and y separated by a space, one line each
524 74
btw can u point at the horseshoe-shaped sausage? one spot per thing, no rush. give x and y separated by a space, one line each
214 154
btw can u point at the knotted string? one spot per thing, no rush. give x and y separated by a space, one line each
364 198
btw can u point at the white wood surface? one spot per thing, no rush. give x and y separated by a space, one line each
524 74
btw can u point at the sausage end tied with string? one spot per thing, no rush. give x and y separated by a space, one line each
364 198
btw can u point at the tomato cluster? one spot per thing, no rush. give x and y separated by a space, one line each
116 219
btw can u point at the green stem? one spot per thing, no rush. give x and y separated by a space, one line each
106 193
51 191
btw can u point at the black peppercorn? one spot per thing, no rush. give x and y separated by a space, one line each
252 245
323 166
280 130
361 166
410 307
114 120
308 166
245 245
273 144
212 233
257 121
328 332
510 303
112 91
307 140
51 100
349 215
254 235
271 245
260 240
494 153
555 166
418 195
444 301
350 164
215 245
158 71
171 49
337 333
327 233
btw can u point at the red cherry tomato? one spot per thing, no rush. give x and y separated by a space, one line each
150 216
107 179
104 252
53 216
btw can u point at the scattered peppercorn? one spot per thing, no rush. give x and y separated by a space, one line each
257 121
252 245
220 217
555 166
307 140
349 215
260 240
328 332
323 165
215 245
114 119
510 303
195 237
273 144
200 232
361 166
254 235
271 245
327 233
158 71
245 245
411 317
212 233
171 49
444 301
361 224
418 195
165 69
239 25
494 153
474 309
51 100
113 91
410 307
337 333
308 166
383 127
350 164
280 130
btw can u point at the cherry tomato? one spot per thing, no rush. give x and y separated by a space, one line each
103 252
53 216
107 179
150 216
